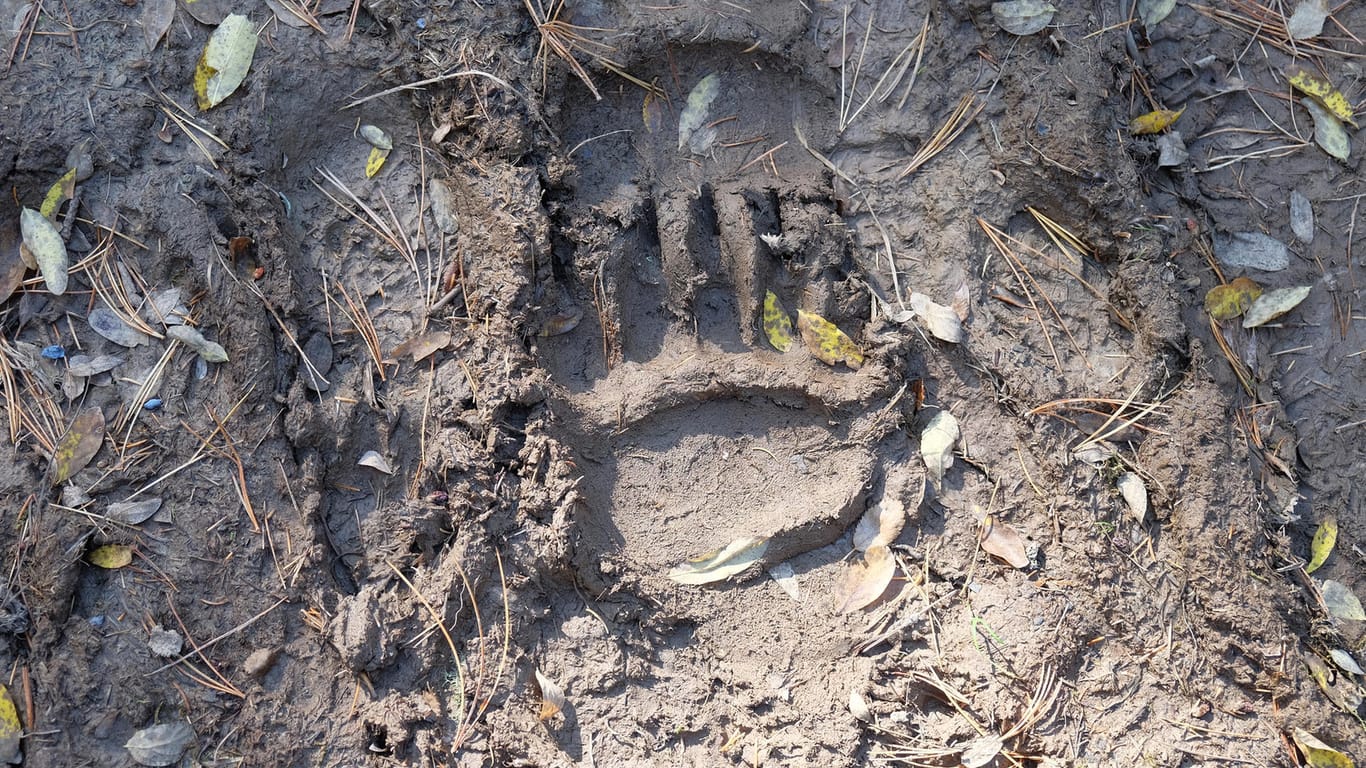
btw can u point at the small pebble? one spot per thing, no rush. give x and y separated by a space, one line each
260 662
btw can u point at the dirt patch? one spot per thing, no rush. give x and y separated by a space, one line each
477 407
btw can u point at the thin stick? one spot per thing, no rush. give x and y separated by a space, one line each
199 649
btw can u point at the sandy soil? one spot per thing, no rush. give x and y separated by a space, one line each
543 317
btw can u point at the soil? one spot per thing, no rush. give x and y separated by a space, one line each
478 406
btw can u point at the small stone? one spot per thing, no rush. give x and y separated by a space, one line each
260 662
1172 150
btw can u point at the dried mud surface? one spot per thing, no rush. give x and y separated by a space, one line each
594 400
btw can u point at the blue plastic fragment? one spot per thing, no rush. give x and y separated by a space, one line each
54 352
96 621
153 404
421 22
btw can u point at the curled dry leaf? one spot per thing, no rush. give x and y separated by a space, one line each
777 323
61 191
1317 754
943 322
1273 304
160 745
981 752
552 696
420 347
1023 17
1003 542
563 322
1156 121
78 446
864 579
1341 602
1324 539
1225 302
786 578
936 445
45 243
1338 688
880 525
111 556
225 61
1135 493
374 460
827 342
694 115
722 563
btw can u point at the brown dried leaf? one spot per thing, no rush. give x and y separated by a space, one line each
78 446
1003 542
552 696
865 579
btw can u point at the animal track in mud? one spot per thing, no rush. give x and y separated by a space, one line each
689 429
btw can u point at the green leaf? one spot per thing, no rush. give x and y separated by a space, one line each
111 556
1324 539
777 323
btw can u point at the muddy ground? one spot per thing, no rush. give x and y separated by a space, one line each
543 315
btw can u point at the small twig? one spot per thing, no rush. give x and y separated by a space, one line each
199 649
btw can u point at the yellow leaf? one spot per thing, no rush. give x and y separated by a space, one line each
1324 539
652 113
1317 754
1225 302
375 161
58 193
111 556
11 730
777 323
827 342
78 446
225 61
45 243
1156 121
1324 93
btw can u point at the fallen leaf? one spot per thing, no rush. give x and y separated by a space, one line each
1152 12
721 563
61 191
157 16
1251 249
420 347
552 696
1324 93
375 161
1328 132
1340 601
45 243
1344 660
981 752
880 525
212 352
652 113
375 461
1317 754
133 512
11 730
943 322
1156 121
225 61
865 579
1324 539
1135 493
160 745
1339 690
84 365
107 323
563 322
962 302
376 137
694 114
78 446
165 643
936 445
1225 302
1002 541
1301 217
1307 20
777 323
827 342
1273 304
786 578
111 556
1023 17
858 707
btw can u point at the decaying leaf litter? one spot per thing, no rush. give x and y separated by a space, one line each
1084 366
